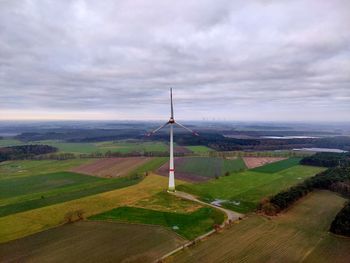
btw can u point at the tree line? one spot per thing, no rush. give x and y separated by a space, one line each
24 151
108 154
327 159
335 178
341 224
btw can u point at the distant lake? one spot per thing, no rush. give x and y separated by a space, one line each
8 134
289 137
328 150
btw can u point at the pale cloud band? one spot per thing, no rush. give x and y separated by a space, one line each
241 60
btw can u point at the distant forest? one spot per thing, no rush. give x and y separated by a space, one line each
24 151
213 139
327 159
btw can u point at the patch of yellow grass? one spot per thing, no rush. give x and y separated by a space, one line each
29 222
25 223
289 237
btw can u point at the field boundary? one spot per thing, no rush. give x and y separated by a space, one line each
230 217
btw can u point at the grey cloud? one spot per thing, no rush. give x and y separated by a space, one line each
233 59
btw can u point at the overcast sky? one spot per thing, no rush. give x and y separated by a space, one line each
229 60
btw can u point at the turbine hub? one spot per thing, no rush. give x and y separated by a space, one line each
171 120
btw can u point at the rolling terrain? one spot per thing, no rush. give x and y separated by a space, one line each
92 242
64 202
299 235
111 167
242 191
24 186
32 221
188 225
198 169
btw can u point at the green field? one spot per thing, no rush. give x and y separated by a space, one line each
11 169
278 166
12 187
189 225
33 190
92 242
208 167
199 149
163 201
32 221
50 196
70 147
242 191
10 142
152 165
132 146
299 235
101 147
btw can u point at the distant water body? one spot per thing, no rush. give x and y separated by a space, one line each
289 137
326 150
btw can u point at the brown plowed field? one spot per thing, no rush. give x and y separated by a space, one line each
91 242
252 162
189 177
181 149
111 167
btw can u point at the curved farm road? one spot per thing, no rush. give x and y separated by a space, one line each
231 215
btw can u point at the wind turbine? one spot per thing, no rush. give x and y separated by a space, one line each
171 122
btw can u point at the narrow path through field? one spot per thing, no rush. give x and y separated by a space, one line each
231 215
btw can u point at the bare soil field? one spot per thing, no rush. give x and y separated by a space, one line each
93 242
299 235
201 169
253 162
111 167
181 149
185 176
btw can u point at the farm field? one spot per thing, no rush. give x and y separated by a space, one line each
92 242
10 142
23 193
25 223
70 147
188 225
11 169
111 167
132 146
199 149
278 166
101 147
52 196
198 169
242 191
294 236
253 162
162 201
11 187
331 249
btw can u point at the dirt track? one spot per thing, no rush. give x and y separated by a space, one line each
253 162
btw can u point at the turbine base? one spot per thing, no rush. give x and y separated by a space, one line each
171 190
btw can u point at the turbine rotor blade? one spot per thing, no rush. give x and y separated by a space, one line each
188 129
171 102
154 131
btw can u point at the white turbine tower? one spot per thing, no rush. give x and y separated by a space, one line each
171 122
